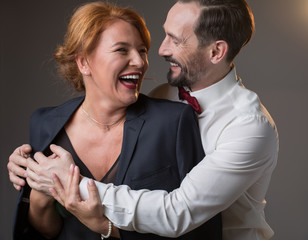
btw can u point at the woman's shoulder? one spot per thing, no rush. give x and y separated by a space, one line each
165 107
62 109
165 91
162 103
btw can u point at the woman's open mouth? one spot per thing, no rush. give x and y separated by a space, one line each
130 80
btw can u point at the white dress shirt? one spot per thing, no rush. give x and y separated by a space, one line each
241 146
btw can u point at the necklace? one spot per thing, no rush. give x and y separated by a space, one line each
106 126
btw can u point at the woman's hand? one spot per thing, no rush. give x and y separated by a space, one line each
17 165
90 211
39 172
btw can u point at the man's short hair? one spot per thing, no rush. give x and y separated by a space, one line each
228 20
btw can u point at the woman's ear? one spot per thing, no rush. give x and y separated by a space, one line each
83 66
219 50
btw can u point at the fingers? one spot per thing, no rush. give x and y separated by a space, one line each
75 183
70 178
33 166
39 184
17 164
68 196
93 192
40 157
32 179
17 181
59 151
63 155
72 189
25 150
38 178
16 169
15 174
57 191
52 156
17 187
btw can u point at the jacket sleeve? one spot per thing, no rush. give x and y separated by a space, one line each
22 230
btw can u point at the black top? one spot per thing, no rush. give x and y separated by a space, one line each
72 228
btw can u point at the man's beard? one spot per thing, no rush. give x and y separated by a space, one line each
190 73
178 81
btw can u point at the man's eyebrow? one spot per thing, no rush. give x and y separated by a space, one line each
174 37
171 35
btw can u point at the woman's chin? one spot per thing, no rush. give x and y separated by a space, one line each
131 98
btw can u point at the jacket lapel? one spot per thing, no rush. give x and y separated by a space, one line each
132 128
56 120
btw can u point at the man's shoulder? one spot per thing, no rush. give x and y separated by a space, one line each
165 91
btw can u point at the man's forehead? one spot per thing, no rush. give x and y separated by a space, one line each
182 16
178 10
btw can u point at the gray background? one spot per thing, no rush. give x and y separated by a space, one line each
274 65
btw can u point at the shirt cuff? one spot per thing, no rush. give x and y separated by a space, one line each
83 189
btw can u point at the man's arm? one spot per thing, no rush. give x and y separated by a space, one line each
21 166
211 187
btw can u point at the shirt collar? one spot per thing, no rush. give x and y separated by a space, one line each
213 93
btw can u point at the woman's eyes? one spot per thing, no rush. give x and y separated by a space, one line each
125 50
122 50
143 50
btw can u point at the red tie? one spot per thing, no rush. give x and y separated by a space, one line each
192 101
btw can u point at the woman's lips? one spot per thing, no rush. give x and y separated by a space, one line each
130 80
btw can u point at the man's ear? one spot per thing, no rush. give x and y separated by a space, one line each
219 50
82 64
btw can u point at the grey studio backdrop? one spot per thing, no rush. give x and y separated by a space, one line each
274 65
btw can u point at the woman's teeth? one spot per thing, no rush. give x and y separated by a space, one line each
130 77
130 81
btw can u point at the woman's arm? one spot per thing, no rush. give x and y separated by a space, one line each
43 215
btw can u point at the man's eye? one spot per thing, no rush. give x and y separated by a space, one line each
176 42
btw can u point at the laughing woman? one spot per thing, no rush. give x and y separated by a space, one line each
114 134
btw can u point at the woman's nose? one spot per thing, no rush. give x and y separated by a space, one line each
137 60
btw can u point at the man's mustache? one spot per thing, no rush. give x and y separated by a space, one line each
170 59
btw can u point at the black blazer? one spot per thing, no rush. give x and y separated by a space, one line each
161 144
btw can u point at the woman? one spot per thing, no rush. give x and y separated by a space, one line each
113 134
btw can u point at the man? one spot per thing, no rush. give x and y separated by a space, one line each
238 135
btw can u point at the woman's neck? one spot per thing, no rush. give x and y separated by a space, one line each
101 112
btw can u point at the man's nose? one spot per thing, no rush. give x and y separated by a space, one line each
164 49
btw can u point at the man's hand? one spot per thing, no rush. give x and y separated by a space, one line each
17 165
39 173
90 211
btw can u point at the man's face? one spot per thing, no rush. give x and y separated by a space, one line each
180 46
